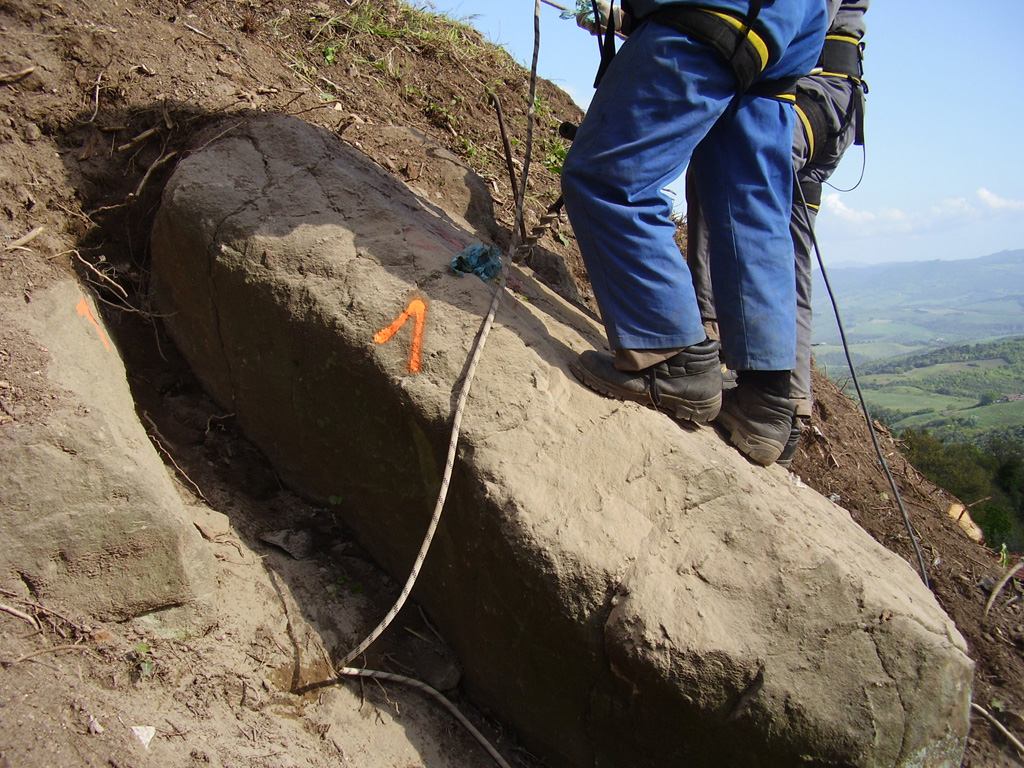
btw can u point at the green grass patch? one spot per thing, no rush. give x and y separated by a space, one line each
912 401
999 415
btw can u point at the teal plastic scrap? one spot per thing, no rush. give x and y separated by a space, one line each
484 261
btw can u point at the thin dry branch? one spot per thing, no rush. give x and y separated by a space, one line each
213 40
140 138
149 171
156 437
96 97
24 240
15 612
111 281
40 608
1002 583
54 649
13 77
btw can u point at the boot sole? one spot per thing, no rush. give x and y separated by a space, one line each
699 412
760 449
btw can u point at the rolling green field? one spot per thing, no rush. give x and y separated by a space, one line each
964 393
897 309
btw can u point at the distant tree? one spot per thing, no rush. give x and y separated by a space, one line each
960 469
990 477
1010 470
987 398
997 525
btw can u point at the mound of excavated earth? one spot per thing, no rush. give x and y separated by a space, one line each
622 590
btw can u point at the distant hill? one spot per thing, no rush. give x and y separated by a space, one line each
896 309
964 393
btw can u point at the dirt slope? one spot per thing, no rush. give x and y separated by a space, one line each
98 100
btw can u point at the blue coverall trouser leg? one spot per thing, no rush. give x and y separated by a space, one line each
664 101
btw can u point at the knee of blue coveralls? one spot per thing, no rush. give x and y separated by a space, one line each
573 177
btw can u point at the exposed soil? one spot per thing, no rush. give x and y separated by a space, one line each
99 100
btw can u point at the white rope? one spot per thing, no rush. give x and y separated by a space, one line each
449 466
474 360
999 727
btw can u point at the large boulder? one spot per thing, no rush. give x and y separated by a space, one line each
622 590
88 513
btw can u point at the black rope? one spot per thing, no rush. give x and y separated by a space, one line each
860 395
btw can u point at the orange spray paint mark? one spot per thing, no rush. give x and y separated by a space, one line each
84 311
417 309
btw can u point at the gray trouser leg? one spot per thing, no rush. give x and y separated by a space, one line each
697 254
803 247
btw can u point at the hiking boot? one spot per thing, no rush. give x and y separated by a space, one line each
688 385
760 424
728 378
786 457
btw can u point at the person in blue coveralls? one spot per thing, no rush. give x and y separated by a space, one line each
712 86
830 112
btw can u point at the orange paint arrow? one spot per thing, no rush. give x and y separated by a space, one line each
84 311
417 309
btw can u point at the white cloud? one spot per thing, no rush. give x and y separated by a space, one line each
945 215
831 202
997 203
953 207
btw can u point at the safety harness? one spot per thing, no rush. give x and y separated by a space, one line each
734 37
842 56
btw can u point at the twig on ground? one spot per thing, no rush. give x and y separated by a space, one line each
157 437
54 649
298 95
13 77
431 627
1002 583
213 40
125 307
96 97
99 274
6 410
215 417
24 240
107 208
290 626
15 612
414 633
39 608
149 171
223 539
337 88
140 138
219 135
72 212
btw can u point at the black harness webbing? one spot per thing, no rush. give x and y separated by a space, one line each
811 193
812 115
607 43
734 39
841 56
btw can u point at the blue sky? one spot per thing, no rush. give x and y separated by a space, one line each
944 161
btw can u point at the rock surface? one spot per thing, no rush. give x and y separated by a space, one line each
88 513
623 591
